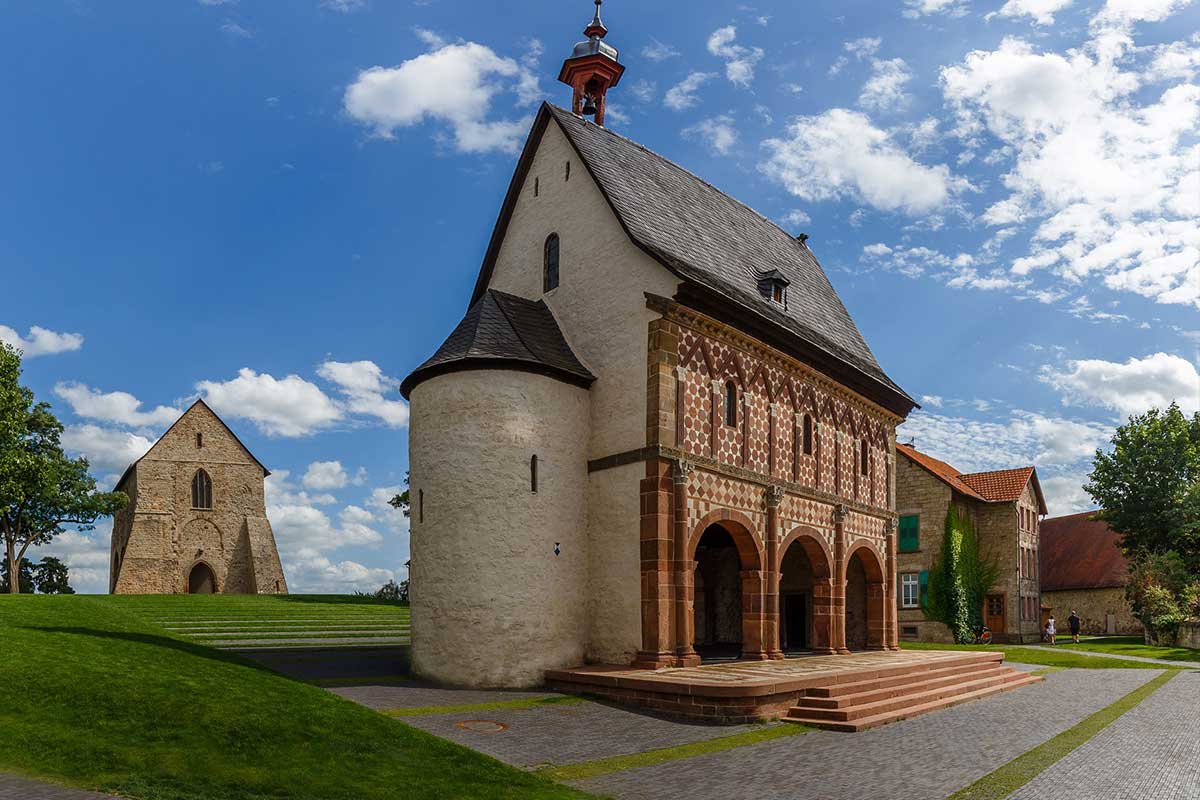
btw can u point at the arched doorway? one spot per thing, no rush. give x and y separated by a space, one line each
717 608
865 598
805 594
202 580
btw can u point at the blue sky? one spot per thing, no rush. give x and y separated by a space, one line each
282 207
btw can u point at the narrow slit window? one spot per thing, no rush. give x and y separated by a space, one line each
808 435
533 474
550 264
568 171
199 440
201 490
537 187
420 505
731 404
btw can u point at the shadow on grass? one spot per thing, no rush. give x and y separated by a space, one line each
198 650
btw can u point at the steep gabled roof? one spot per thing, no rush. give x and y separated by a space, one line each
1080 552
997 486
199 402
710 241
504 331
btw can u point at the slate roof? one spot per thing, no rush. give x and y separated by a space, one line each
997 486
1079 552
504 331
709 239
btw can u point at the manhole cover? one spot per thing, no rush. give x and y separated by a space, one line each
482 725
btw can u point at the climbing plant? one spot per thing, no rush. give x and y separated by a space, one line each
960 579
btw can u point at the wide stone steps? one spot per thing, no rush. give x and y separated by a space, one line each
869 703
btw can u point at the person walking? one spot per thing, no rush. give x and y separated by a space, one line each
1050 631
1073 625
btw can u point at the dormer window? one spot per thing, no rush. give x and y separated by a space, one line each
773 286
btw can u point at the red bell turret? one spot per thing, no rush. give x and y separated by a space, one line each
591 70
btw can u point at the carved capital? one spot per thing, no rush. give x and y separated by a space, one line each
681 471
774 496
840 512
893 523
681 373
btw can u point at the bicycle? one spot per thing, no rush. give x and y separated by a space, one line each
983 635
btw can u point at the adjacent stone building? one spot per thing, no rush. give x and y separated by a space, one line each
1004 505
656 436
196 520
1083 568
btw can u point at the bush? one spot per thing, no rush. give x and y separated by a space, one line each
959 579
1162 593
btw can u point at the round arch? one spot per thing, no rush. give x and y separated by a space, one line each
815 547
871 563
739 527
805 602
865 623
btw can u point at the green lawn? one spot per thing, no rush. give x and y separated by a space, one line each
96 695
1042 656
1129 646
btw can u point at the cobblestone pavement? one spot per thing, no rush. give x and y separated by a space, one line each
568 733
417 694
1150 753
1143 659
929 756
15 788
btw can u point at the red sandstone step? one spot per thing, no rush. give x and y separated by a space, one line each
864 723
898 703
948 678
903 678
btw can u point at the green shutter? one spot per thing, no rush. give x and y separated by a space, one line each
923 581
910 540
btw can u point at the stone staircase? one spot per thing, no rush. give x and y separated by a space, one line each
892 694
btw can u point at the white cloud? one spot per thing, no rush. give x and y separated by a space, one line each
921 8
86 554
317 574
454 84
216 2
657 51
119 407
1126 12
884 90
1108 172
325 475
840 154
683 95
106 450
796 218
739 61
865 47
644 90
931 400
40 341
718 133
1130 388
279 491
363 385
278 407
231 28
1041 11
344 6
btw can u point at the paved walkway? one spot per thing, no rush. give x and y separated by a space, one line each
1143 659
1150 753
930 756
14 788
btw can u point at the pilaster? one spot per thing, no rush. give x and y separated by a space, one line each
839 580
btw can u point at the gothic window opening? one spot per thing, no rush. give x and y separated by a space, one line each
808 435
533 474
550 264
731 404
201 490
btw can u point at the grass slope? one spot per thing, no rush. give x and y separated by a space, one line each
1130 646
1040 656
95 695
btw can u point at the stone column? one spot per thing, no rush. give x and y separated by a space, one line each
893 631
682 568
774 497
839 580
656 649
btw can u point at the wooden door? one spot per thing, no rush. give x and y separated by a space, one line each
993 613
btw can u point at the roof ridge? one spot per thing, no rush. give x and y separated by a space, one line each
995 471
685 170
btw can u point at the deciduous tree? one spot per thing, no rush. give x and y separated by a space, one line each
41 490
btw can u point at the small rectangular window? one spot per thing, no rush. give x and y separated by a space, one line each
910 590
199 440
910 538
909 631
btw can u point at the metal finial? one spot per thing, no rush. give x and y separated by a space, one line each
596 26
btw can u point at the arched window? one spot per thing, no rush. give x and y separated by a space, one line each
808 435
731 404
201 490
550 264
863 458
533 475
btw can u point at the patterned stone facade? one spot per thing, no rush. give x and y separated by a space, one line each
805 462
165 542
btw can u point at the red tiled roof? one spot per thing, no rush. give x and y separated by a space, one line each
1078 552
940 469
998 486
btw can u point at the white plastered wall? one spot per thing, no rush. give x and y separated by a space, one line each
492 604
